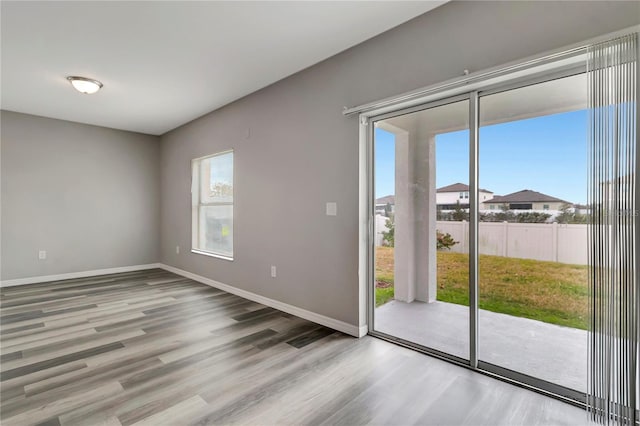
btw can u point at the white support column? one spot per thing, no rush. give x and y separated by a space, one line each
425 230
404 252
415 215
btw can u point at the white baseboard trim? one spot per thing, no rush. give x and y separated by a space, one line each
82 274
363 330
285 307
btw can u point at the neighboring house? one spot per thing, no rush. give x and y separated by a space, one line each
582 209
382 202
448 197
525 200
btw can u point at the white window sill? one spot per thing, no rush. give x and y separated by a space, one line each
206 253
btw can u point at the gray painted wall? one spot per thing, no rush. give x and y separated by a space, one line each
294 151
87 195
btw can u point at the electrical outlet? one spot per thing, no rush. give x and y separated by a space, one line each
177 249
42 254
332 209
273 271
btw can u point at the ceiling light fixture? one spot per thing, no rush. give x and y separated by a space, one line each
84 85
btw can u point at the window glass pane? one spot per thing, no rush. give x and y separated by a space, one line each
216 229
216 179
422 214
533 287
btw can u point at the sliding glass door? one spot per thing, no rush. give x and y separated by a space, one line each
520 194
421 265
533 283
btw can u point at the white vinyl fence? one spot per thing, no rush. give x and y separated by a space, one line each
540 241
381 226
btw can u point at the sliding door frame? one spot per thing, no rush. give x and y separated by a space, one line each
369 122
473 362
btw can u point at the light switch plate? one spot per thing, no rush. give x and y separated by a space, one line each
332 209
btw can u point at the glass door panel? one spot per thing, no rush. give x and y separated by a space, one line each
533 231
421 163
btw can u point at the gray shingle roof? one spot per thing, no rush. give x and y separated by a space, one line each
458 187
525 196
391 199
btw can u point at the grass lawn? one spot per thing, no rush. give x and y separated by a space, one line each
552 292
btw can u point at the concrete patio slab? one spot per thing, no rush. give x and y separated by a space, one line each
546 351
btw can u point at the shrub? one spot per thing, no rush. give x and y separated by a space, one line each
388 235
514 217
532 217
444 241
570 215
459 214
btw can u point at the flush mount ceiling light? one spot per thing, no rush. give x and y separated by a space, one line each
84 85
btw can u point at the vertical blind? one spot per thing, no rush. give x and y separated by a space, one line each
613 232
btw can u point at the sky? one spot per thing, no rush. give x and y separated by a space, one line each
222 169
547 154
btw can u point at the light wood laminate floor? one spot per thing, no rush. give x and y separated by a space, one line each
155 348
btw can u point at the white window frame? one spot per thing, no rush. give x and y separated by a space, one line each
196 203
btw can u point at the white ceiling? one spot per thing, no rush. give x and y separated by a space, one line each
166 63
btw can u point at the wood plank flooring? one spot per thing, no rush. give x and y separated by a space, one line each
154 348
